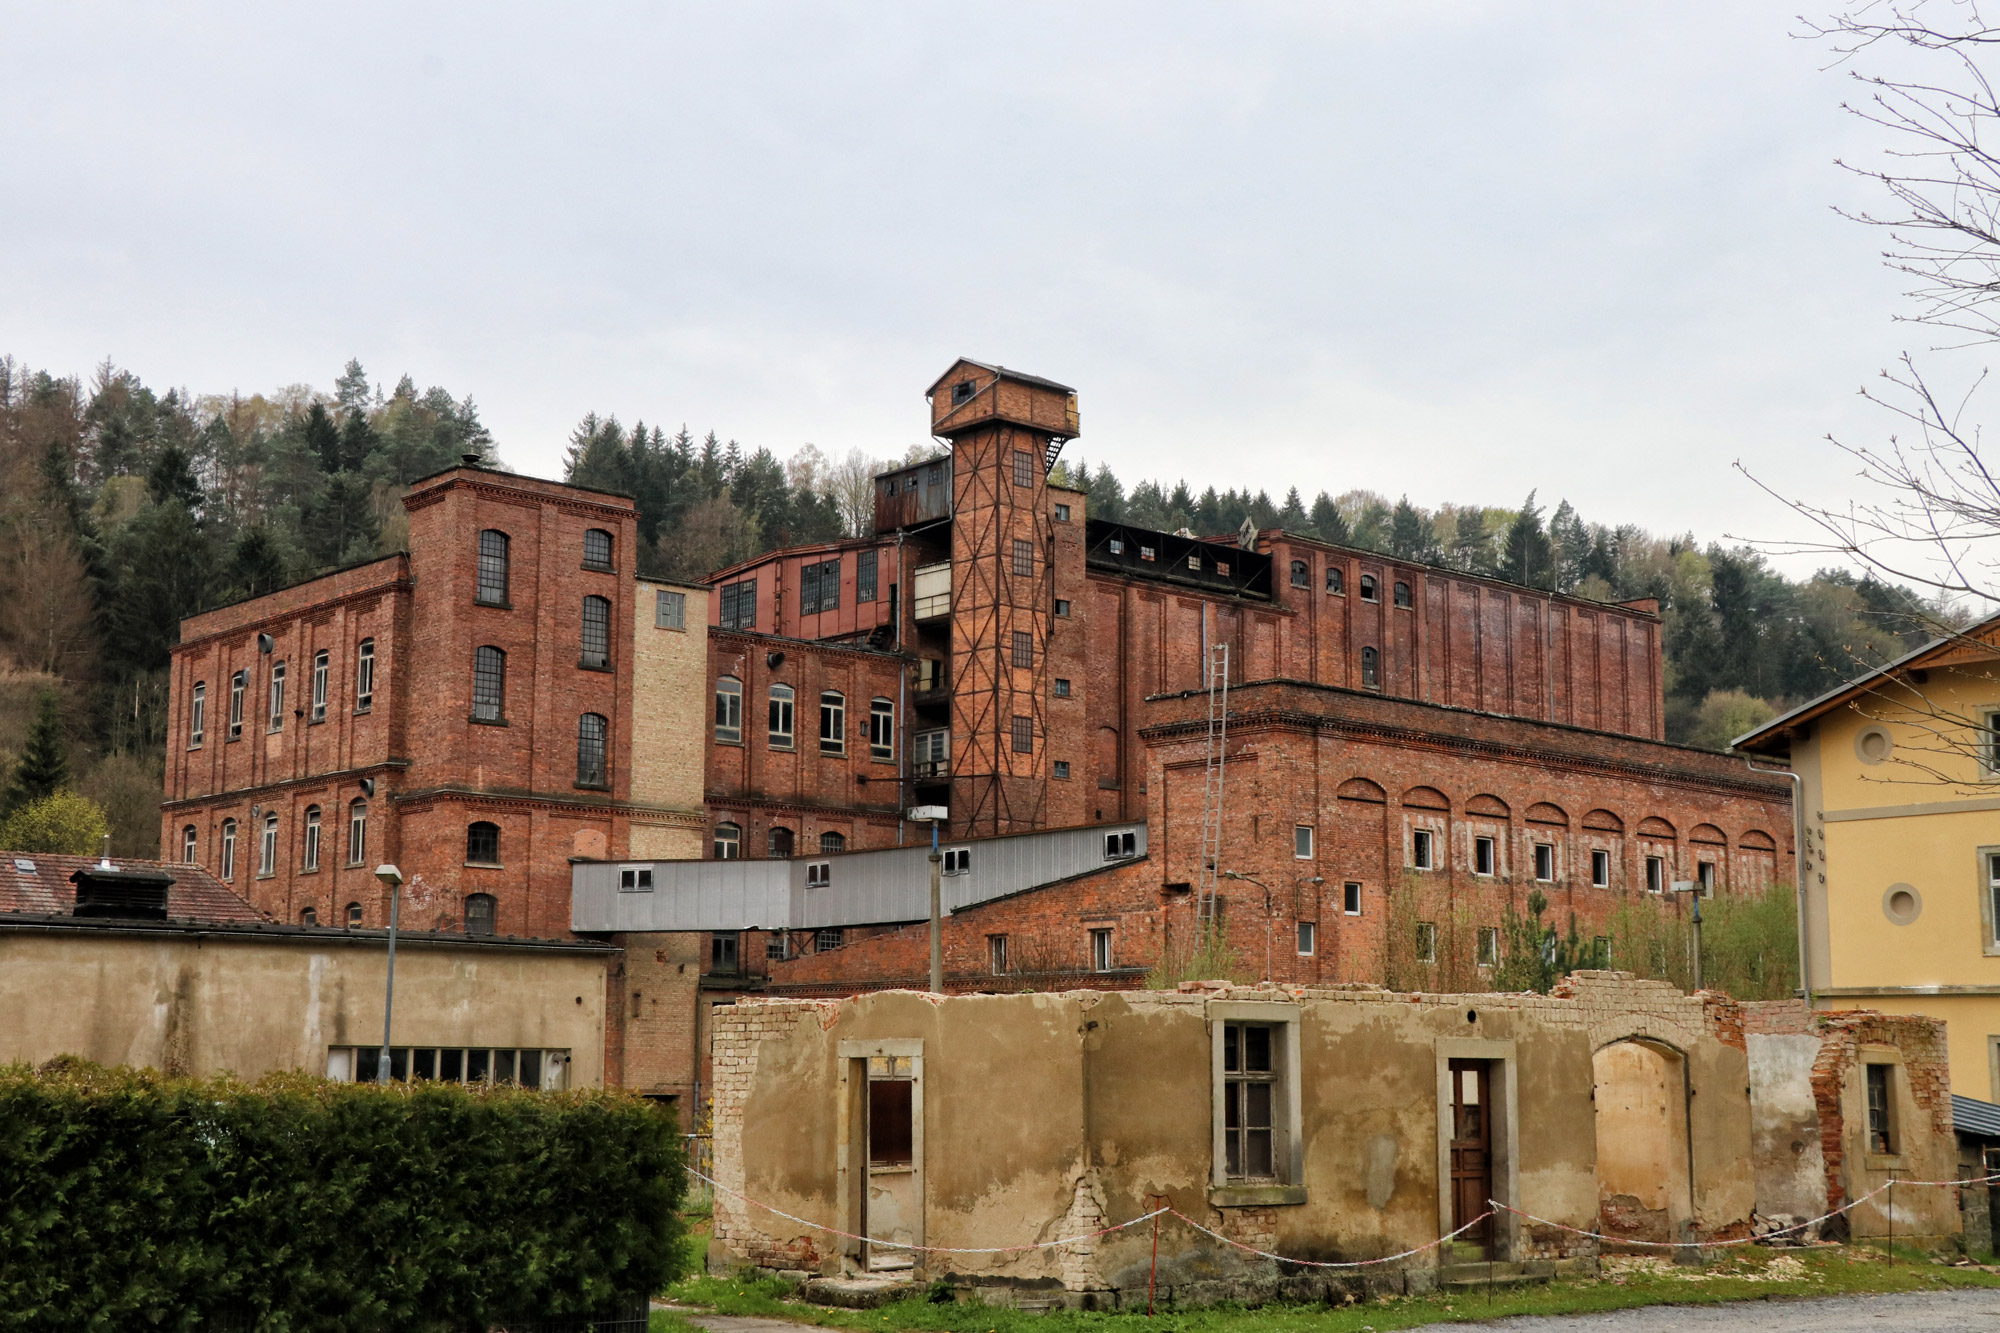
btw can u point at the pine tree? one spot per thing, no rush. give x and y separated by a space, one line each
350 390
43 769
1292 516
323 438
358 442
170 478
257 566
1409 534
1526 560
1328 523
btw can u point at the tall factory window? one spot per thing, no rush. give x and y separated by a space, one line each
228 870
1371 669
1024 468
188 844
277 696
864 576
1024 648
819 587
1368 588
197 714
882 730
781 720
592 736
597 550
739 604
312 838
1402 594
729 711
267 849
489 683
1336 580
1024 558
238 684
492 588
1023 729
364 677
357 832
597 632
1302 574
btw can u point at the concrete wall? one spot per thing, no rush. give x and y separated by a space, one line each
1108 1106
201 1002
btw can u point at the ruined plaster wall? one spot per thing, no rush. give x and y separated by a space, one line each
744 1233
1784 1117
1927 1146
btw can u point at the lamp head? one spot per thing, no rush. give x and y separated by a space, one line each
389 875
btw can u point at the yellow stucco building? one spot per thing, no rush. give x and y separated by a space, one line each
1899 776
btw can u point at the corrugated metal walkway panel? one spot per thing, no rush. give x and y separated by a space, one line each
853 889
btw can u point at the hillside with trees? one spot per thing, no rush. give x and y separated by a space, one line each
124 510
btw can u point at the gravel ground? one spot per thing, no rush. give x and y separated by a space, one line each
1915 1312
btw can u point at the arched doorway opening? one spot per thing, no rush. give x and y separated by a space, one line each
1642 1141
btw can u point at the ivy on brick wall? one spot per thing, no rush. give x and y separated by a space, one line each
131 1200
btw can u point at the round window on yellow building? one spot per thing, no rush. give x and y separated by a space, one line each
1902 904
1873 745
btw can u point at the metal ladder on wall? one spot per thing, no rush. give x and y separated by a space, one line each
1211 792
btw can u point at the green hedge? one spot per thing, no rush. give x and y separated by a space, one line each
133 1201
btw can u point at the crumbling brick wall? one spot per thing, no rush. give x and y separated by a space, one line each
740 1033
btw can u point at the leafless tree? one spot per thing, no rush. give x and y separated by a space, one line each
850 484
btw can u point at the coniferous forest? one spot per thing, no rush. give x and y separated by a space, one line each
124 509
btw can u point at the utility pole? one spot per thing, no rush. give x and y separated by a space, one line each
392 879
1692 887
935 815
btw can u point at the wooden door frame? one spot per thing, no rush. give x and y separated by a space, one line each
1503 1131
851 1149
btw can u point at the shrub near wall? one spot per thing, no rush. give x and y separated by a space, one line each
130 1200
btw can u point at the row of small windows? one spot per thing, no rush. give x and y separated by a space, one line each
492 579
1336 584
480 911
239 690
819 590
482 842
782 720
727 843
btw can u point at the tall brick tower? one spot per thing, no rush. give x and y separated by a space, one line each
1005 431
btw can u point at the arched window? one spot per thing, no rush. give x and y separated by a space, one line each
492 568
479 913
597 632
489 684
1336 580
833 842
267 847
228 870
729 711
1302 574
357 832
308 917
1371 669
597 549
728 841
591 731
482 843
189 840
781 717
882 730
832 723
354 914
1368 588
312 838
779 842
1402 594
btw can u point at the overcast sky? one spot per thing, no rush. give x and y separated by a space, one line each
1455 250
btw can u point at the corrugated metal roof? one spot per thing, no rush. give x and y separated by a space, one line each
1971 1116
878 887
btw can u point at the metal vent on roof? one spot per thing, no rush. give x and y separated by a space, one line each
24 865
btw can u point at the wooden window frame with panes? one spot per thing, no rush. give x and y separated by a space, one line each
1287 1184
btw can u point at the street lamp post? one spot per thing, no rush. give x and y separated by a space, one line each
935 815
1692 887
392 879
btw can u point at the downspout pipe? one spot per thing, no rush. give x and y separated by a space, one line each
1798 866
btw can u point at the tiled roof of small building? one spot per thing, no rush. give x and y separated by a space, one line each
38 884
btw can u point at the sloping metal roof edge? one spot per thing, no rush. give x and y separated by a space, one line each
1972 1116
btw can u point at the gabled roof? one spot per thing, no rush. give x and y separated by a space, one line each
38 884
1765 739
1019 376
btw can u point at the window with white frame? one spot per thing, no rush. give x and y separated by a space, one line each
319 686
238 683
197 714
930 753
1484 856
819 874
957 860
1656 874
1350 898
635 879
1302 842
357 831
267 848
729 711
832 722
1600 869
1488 952
189 842
277 695
1704 877
882 730
364 677
228 865
1545 862
1307 930
1989 744
312 838
1992 897
780 722
1423 849
728 841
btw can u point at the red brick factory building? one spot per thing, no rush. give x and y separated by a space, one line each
507 699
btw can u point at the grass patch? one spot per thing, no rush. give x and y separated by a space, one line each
1748 1274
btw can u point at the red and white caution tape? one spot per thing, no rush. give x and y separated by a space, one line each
1324 1263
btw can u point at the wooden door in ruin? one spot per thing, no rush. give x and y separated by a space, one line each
1471 1154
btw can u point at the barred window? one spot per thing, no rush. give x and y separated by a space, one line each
596 632
482 843
591 730
1024 648
489 683
492 568
830 843
864 576
597 549
1024 558
1024 735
